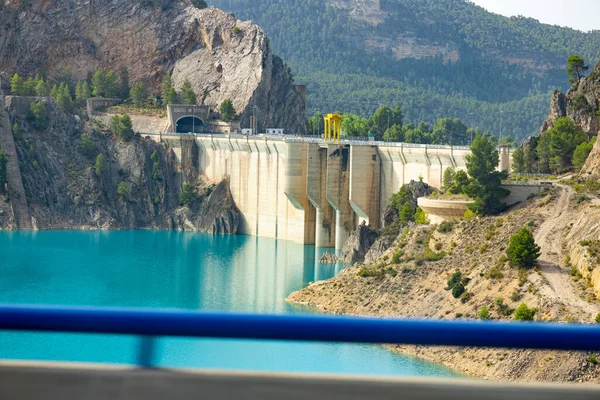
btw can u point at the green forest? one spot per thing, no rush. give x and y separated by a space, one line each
325 46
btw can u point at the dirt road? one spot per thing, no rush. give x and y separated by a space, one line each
560 286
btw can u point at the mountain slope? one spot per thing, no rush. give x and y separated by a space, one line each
434 58
151 38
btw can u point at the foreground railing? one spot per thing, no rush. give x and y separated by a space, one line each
46 381
149 324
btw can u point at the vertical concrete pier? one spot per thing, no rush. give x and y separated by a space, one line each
338 192
295 188
317 194
365 171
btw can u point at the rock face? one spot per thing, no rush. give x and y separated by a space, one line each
367 245
151 38
581 104
65 190
358 244
328 258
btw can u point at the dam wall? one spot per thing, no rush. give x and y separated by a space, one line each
268 181
312 192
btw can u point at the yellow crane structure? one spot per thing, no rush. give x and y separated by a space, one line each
333 128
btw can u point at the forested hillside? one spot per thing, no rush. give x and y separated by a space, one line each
432 58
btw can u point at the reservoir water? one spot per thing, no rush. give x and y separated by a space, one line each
176 271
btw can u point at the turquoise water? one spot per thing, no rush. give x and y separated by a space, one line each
177 271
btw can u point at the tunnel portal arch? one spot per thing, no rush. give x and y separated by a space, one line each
189 124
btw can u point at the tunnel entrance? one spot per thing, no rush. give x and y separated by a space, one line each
190 124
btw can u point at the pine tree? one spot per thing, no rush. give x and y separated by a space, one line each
124 83
41 89
63 98
86 90
29 87
168 92
17 87
99 85
518 164
139 94
187 93
100 165
581 154
111 85
227 110
522 250
126 133
54 91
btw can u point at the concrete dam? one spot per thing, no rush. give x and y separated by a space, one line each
309 191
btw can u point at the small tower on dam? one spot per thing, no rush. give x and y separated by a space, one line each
333 128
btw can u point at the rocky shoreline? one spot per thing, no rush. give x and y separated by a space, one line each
409 281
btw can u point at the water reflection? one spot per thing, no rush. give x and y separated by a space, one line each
179 271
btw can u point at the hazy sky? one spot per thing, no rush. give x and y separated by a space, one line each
579 14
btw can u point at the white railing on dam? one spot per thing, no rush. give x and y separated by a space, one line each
308 139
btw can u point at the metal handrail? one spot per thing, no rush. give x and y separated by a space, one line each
301 328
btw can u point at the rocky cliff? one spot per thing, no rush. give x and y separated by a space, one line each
581 103
151 38
65 189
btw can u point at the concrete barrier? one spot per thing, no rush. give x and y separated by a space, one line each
94 382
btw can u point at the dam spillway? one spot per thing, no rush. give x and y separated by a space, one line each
312 192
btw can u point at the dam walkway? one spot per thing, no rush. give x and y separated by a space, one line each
302 139
33 381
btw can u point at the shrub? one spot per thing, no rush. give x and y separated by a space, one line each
188 195
582 199
100 165
597 319
458 290
16 130
524 313
421 217
522 276
484 313
593 360
455 279
503 309
494 273
199 4
515 296
392 272
466 296
122 190
396 258
236 30
366 272
155 157
469 214
446 227
523 251
38 116
88 148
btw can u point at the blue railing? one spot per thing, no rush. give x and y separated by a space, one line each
150 324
